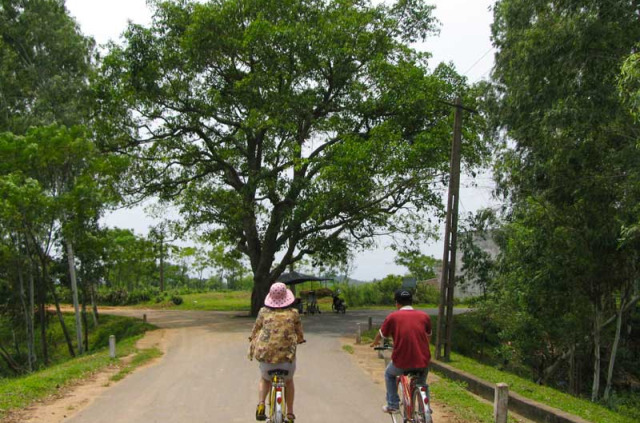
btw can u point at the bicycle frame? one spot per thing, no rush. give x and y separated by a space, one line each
277 403
415 406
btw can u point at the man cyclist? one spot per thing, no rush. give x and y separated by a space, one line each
411 333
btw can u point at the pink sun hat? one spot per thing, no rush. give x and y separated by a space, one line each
279 296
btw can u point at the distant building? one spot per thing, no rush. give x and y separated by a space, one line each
469 289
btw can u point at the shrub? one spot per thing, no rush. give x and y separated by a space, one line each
427 293
176 299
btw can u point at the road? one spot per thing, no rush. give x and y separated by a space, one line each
205 375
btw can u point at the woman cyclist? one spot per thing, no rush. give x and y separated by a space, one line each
273 342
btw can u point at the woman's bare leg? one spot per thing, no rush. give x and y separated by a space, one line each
263 389
289 393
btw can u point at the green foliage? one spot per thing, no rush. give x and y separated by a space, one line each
176 299
44 66
294 127
421 267
569 170
20 392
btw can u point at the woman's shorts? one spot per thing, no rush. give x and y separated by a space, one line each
266 367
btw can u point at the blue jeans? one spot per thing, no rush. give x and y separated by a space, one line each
390 375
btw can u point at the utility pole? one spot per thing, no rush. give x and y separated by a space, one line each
447 279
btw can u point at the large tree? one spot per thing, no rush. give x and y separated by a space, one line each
570 173
285 128
44 65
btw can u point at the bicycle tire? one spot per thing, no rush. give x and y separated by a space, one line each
281 407
420 413
402 405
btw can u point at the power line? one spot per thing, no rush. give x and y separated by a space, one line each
478 61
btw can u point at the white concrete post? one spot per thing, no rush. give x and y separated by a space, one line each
112 346
501 403
359 335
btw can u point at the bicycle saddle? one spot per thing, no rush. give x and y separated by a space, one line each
413 372
279 372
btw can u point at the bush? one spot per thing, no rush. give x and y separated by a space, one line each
176 299
427 293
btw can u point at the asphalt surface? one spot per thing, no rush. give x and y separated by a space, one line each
205 375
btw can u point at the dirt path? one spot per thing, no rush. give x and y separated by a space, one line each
204 376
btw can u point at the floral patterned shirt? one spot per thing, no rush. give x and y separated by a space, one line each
276 335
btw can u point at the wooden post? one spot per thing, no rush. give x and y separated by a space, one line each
144 318
359 335
370 323
447 279
501 403
112 346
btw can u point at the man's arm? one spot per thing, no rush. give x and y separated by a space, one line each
377 339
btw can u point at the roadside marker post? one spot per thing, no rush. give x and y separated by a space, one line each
144 318
359 335
501 403
112 346
370 323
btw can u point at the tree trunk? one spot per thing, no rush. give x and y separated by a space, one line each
162 264
85 325
42 299
74 293
550 370
31 335
614 350
65 331
11 363
261 288
27 315
94 306
595 390
572 372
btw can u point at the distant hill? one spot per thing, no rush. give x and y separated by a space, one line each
351 281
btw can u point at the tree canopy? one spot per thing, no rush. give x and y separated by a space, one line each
569 170
284 128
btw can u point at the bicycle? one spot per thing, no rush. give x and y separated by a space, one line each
277 410
415 401
277 404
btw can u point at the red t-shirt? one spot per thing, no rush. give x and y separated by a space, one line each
409 329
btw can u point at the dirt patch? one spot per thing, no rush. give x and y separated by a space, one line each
72 398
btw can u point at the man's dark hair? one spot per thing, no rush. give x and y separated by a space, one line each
403 297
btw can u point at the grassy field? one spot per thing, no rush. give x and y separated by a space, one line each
461 402
241 301
19 392
218 300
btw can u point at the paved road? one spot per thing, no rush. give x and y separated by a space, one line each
206 377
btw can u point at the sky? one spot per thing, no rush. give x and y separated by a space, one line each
464 40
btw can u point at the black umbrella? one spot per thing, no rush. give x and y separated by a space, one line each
293 278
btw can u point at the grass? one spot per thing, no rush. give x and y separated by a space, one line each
20 392
218 300
464 405
142 357
348 348
544 394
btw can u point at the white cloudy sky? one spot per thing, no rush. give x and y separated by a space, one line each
464 39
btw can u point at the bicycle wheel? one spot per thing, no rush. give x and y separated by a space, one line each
420 413
403 399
